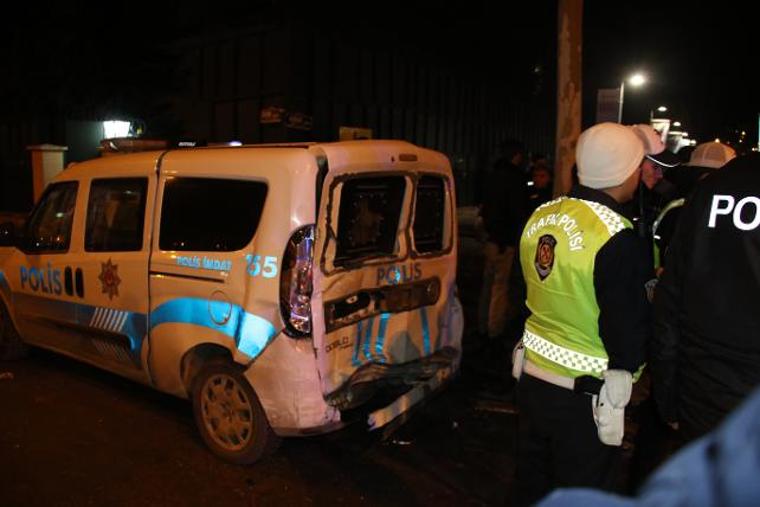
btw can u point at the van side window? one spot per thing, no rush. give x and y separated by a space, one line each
116 215
368 217
429 216
49 228
206 214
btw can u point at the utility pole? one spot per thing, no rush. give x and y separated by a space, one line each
569 45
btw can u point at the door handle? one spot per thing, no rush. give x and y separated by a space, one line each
79 282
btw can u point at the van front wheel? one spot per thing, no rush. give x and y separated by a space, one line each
229 416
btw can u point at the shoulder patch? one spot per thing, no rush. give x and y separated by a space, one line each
544 260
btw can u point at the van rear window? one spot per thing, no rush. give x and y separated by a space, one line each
429 216
206 214
368 217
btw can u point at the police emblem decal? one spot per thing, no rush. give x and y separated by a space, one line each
544 260
109 277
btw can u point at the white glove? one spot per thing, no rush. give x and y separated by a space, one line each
609 406
518 360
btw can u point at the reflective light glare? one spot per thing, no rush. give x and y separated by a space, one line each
115 128
236 143
676 123
685 134
662 109
717 139
637 79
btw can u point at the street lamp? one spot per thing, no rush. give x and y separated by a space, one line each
676 123
661 109
634 80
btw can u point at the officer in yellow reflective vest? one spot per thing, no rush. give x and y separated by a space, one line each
584 342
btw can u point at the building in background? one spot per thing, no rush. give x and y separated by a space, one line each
455 86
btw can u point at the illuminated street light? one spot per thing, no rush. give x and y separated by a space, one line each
662 109
676 123
635 80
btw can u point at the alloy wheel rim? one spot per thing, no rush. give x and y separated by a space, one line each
227 412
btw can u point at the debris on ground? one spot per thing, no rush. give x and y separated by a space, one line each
503 407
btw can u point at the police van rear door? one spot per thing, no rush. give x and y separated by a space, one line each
382 278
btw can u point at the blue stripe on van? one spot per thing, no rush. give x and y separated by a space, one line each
130 324
368 339
250 332
4 287
357 345
425 331
380 341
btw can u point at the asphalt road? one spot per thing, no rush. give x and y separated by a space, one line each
72 435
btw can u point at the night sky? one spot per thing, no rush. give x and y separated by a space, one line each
84 58
700 57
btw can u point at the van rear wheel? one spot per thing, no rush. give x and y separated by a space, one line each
229 416
11 345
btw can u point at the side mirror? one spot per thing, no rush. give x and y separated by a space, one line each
8 234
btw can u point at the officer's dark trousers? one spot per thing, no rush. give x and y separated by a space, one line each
558 444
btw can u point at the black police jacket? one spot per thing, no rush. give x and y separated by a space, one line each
706 350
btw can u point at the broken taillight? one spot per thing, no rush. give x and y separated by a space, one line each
296 282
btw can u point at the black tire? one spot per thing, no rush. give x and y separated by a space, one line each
229 416
11 345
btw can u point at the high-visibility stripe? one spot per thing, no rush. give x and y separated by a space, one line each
609 218
94 317
121 322
113 315
368 340
380 341
425 331
558 354
101 318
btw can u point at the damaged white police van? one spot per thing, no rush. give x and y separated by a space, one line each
284 290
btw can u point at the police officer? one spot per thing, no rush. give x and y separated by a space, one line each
653 438
584 341
705 158
706 349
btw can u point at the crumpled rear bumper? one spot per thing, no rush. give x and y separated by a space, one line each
412 380
405 402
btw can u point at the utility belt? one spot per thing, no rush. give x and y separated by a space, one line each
609 396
